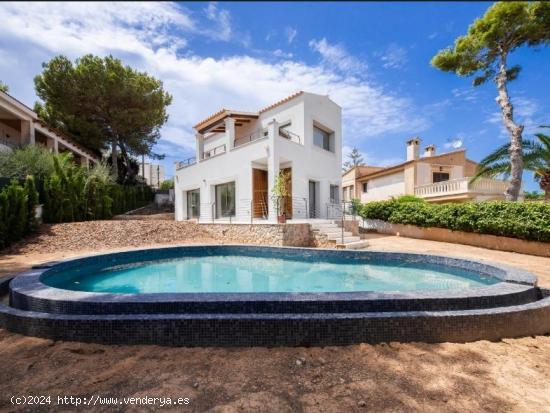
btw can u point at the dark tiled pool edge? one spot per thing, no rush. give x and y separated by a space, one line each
522 310
229 330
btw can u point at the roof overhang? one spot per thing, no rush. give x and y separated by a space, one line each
216 122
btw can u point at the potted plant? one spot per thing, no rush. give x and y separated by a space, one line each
280 193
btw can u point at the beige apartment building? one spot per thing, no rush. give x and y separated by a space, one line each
19 125
435 177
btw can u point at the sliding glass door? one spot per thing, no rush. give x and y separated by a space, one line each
193 204
225 200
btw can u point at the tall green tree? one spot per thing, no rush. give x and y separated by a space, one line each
3 87
103 104
355 159
536 158
484 51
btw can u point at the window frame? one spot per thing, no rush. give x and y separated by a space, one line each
326 133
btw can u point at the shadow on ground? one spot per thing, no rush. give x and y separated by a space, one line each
512 375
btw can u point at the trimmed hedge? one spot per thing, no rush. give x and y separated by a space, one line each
524 220
17 211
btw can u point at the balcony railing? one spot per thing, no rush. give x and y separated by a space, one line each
218 150
462 186
254 136
185 163
291 136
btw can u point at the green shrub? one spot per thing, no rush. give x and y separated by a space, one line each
528 220
17 205
73 193
409 198
167 184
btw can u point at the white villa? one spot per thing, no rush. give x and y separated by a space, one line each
240 154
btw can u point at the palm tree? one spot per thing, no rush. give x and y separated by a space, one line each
536 158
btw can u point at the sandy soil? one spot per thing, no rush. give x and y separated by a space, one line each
506 376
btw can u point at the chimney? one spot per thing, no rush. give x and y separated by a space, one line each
412 148
429 151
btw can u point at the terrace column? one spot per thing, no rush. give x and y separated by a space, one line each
27 132
229 133
199 151
52 144
272 168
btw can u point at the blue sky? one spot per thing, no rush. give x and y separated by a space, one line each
371 58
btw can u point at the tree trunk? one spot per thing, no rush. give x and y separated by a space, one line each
545 185
129 171
515 130
114 158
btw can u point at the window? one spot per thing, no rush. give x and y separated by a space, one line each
365 187
225 200
334 194
440 177
323 139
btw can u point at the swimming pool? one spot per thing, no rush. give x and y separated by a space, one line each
233 295
262 273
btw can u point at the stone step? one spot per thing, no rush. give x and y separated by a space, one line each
324 227
354 245
338 235
346 239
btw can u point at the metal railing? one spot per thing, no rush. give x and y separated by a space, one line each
291 136
254 136
185 163
218 150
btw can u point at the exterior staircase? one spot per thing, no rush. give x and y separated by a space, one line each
333 232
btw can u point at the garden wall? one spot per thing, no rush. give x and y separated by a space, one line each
467 238
289 235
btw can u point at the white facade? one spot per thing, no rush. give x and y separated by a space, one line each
276 138
152 173
384 187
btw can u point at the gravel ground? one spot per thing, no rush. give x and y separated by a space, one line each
505 376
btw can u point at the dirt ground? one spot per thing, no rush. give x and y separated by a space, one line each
511 375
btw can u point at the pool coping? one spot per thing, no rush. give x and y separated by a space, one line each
516 286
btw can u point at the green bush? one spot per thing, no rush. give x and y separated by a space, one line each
527 220
167 184
409 198
17 205
73 193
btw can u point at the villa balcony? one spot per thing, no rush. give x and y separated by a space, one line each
462 189
253 137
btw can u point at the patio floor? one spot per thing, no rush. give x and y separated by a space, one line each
506 376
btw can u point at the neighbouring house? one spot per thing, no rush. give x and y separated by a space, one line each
19 125
239 155
153 174
435 177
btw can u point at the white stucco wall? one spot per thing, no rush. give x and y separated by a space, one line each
384 187
307 161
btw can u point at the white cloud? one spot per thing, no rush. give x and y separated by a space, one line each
454 143
393 57
149 36
527 112
281 53
336 56
290 33
469 94
433 35
222 20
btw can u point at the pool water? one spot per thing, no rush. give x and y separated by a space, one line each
245 274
